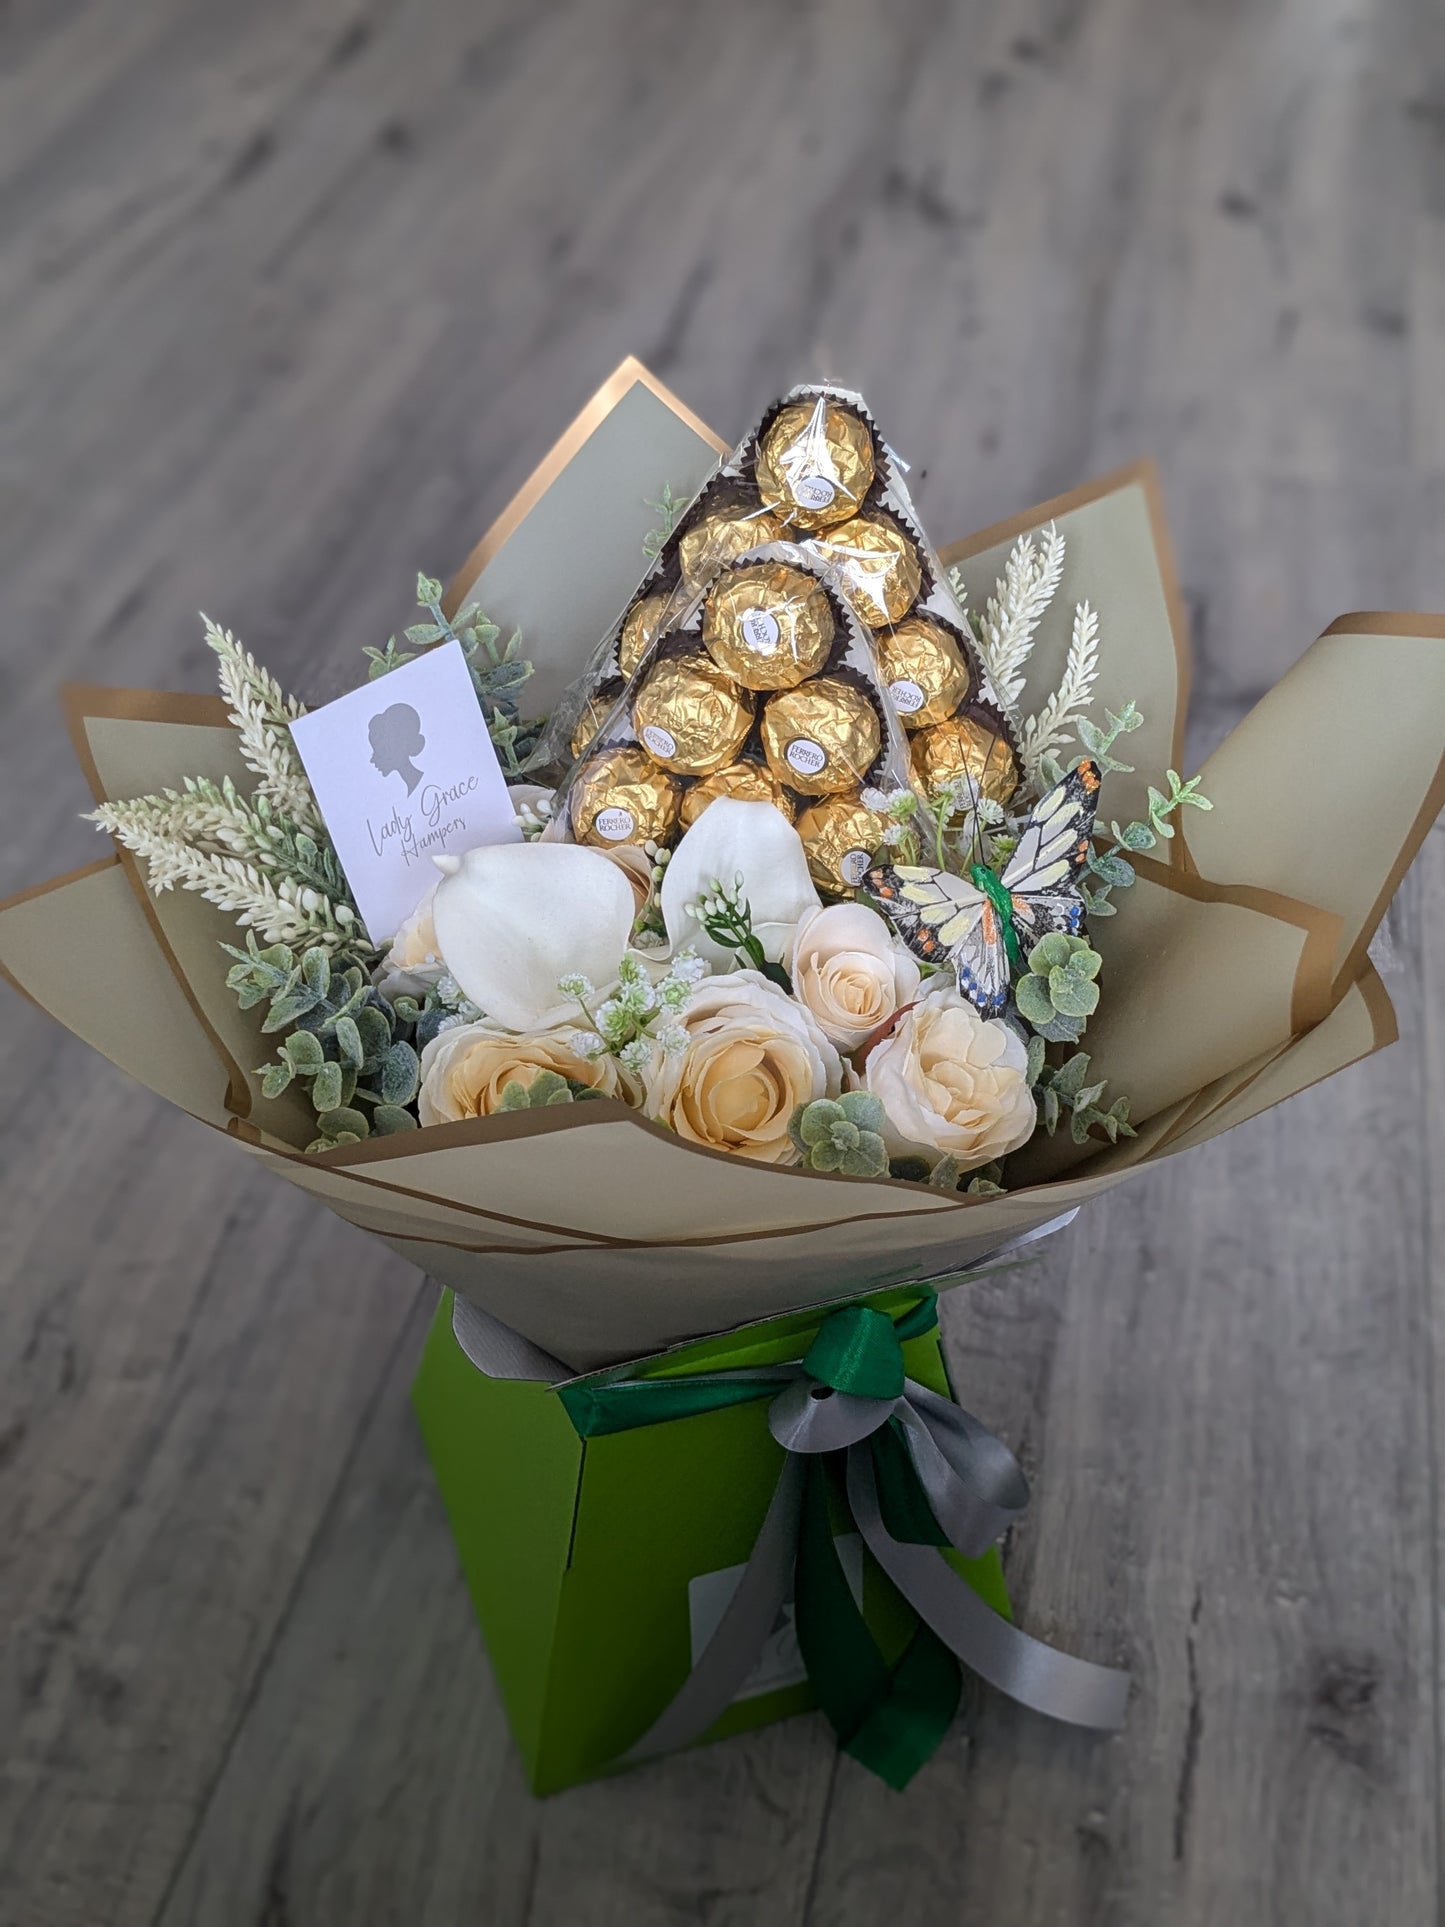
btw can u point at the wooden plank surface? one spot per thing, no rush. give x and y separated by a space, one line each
294 295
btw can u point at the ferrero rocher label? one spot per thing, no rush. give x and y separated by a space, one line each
689 716
815 464
965 746
840 836
599 705
746 782
878 565
721 537
822 737
622 796
925 670
639 631
767 625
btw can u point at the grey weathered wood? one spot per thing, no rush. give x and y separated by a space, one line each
294 296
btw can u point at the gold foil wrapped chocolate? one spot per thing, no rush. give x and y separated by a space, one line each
965 746
599 707
640 629
822 737
877 564
925 670
622 796
720 537
840 837
767 625
815 464
747 782
689 716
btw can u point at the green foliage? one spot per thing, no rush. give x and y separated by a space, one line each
356 1054
1108 868
842 1134
498 670
669 508
726 915
1066 1091
546 1087
1057 993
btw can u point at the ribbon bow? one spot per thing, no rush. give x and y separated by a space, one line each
920 1473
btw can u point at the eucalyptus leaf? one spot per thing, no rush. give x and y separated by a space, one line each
326 1090
334 1123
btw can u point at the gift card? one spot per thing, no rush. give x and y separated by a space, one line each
404 771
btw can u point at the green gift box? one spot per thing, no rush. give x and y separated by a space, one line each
598 1565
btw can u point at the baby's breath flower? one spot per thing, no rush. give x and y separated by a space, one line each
634 1056
587 1043
577 987
673 1040
689 966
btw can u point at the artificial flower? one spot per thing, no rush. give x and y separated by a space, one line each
746 1058
413 965
513 918
850 971
748 845
465 1069
952 1082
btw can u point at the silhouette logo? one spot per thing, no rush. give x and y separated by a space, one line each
396 740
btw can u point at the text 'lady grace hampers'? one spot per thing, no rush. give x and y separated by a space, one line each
415 841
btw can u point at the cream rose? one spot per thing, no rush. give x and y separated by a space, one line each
850 972
413 963
951 1081
465 1069
750 1057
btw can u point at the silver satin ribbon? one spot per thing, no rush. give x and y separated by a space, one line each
976 1490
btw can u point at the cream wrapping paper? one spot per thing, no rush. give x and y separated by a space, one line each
1235 972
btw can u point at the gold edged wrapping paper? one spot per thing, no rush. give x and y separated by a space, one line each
1118 557
586 501
1235 972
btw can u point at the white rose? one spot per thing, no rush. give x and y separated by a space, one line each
465 1069
751 1056
951 1081
413 963
850 971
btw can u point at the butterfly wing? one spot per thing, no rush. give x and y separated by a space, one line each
981 961
1054 847
946 919
932 910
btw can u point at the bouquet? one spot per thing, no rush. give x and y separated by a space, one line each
708 968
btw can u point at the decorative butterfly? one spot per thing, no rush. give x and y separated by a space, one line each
983 922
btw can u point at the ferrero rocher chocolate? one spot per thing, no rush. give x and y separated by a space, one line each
839 836
746 782
721 537
599 705
622 796
768 626
640 629
822 737
815 464
878 565
965 746
925 670
689 716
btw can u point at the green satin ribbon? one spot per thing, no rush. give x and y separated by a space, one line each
1002 900
889 1718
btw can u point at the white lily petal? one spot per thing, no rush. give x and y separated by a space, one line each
513 918
729 839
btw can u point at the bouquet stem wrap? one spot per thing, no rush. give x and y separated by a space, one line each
920 1473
